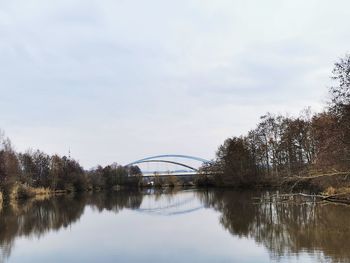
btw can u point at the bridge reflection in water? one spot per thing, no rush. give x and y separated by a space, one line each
297 231
169 205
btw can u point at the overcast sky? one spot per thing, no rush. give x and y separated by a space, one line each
121 80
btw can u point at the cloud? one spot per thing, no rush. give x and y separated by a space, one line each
116 80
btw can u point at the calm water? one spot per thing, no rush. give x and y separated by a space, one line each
185 226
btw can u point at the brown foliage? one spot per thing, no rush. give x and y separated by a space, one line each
283 146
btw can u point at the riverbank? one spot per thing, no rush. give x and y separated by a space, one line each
330 186
333 187
24 192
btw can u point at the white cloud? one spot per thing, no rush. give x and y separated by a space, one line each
115 80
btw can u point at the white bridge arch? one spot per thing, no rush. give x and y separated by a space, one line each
169 164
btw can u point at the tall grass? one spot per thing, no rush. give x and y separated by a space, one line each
21 191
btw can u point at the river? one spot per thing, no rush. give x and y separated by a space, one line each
175 226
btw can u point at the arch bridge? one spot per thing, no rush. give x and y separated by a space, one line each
169 164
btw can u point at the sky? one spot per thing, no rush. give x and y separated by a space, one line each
119 80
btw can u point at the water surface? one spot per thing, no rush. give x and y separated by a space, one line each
175 226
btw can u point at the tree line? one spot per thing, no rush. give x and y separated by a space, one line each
36 169
282 146
279 146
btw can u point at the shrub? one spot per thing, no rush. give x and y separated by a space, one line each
23 192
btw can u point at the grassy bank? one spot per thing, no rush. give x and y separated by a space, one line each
20 191
334 186
331 186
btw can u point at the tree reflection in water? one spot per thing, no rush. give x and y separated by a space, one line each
284 228
34 218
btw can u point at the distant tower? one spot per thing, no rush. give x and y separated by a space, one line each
69 153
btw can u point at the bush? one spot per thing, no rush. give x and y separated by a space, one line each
23 192
205 180
173 181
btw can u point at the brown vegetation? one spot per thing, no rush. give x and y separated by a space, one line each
287 150
172 181
24 175
281 150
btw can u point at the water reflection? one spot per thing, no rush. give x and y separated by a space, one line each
283 228
36 217
170 203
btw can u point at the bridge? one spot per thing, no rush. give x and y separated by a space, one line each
169 164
